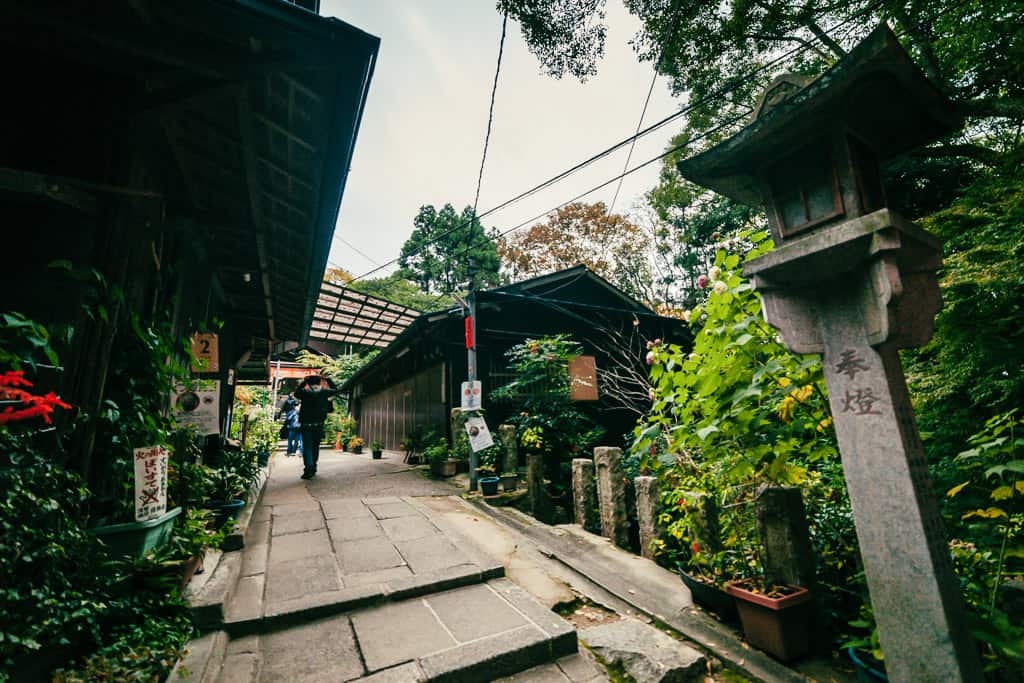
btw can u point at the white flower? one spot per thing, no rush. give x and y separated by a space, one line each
715 273
719 286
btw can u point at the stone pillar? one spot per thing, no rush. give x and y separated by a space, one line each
648 511
540 504
584 494
611 494
507 436
788 556
856 294
709 530
460 439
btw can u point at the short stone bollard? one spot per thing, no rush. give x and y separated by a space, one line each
789 557
507 436
584 495
648 513
611 495
540 504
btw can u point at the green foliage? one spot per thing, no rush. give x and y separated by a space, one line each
376 445
47 559
438 452
147 362
24 343
973 368
436 256
541 394
402 291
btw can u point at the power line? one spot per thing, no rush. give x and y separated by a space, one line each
731 86
643 113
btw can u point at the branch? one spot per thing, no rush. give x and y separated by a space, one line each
790 39
825 38
985 155
913 31
988 107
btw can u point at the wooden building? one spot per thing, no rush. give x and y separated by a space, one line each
192 153
416 380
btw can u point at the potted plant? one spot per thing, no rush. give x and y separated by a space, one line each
377 449
488 484
486 473
775 618
509 481
355 445
441 462
135 539
225 491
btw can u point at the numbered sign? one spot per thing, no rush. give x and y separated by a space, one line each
205 353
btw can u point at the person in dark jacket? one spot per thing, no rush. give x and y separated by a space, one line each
315 393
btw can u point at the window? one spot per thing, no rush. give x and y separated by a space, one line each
805 189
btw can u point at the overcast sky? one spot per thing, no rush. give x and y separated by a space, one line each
423 130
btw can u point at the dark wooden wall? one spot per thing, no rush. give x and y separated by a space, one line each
416 402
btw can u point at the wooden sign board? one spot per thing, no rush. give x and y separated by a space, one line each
205 353
583 378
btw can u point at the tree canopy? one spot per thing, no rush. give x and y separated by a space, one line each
972 51
437 254
607 243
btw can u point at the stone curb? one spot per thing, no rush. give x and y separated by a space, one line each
208 602
703 631
236 539
203 662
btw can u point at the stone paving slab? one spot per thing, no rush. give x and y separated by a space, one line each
296 546
432 555
303 520
408 528
293 578
389 510
323 650
398 633
461 610
353 529
345 508
367 555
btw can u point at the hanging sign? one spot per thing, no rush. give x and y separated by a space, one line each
583 379
471 395
479 435
205 355
198 404
150 482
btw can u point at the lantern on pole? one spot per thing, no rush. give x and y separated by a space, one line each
853 281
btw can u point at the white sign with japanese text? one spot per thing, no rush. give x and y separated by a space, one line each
150 482
479 435
198 404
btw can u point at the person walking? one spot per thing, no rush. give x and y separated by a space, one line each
315 393
294 427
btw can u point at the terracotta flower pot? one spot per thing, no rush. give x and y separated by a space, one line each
776 625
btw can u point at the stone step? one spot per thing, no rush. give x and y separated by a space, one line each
474 633
312 560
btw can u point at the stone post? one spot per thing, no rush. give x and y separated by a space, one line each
611 494
857 294
460 439
648 511
788 556
584 494
507 436
540 504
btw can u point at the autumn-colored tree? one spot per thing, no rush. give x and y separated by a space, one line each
578 233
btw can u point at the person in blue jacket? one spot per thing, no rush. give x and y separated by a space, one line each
316 393
291 422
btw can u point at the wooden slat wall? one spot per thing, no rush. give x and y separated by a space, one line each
394 412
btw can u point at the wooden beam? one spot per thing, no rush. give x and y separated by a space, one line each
245 116
273 125
55 189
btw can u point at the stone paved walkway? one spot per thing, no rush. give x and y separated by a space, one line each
349 575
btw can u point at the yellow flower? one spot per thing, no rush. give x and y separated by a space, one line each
825 424
784 382
786 409
803 393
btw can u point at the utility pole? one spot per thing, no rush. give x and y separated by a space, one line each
471 362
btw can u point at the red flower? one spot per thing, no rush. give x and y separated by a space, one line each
14 378
695 547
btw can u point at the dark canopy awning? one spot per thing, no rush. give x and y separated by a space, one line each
345 316
254 105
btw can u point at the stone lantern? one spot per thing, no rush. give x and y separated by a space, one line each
853 281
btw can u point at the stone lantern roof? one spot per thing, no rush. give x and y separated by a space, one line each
876 92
